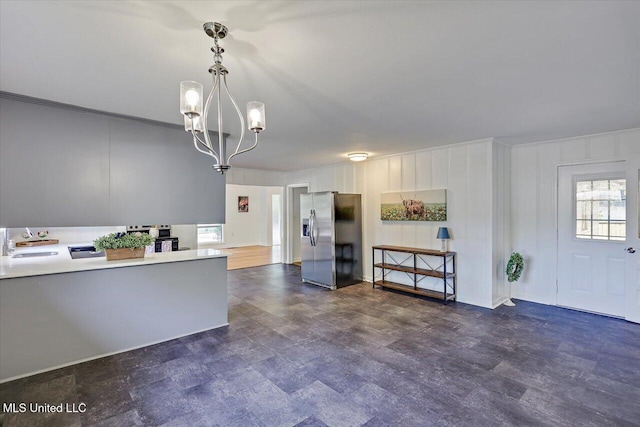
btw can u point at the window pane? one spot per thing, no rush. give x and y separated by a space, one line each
601 185
584 186
583 190
600 228
601 191
601 210
619 186
618 210
618 229
583 209
583 229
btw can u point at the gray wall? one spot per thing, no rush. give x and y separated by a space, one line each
61 166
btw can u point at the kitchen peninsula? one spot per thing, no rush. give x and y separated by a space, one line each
55 311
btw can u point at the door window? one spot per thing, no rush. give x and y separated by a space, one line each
601 209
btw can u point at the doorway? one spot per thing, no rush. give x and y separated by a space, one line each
276 220
253 227
294 222
597 224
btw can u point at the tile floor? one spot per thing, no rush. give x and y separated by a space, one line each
298 355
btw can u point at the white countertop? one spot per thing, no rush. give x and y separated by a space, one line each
11 268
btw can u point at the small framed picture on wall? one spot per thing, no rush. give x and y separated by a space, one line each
243 203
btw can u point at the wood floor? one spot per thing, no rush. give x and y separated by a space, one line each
253 256
300 355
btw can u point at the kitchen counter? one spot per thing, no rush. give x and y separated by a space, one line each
56 311
62 263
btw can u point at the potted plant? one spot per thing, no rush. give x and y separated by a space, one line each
123 245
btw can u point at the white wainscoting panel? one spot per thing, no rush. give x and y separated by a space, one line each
465 170
501 220
534 171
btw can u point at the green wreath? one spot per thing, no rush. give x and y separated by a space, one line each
515 267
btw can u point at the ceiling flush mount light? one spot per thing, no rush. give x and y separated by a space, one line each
195 116
357 157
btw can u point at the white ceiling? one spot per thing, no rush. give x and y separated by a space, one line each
377 76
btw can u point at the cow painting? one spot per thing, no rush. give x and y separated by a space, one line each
424 205
413 208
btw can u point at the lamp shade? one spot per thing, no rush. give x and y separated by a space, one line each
255 116
443 233
190 98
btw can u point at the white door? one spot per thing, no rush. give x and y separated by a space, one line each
593 234
632 247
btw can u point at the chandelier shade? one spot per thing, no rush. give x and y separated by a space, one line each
196 109
190 99
255 116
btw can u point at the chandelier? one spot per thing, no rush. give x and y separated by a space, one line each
195 117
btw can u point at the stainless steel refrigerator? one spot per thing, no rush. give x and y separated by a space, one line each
331 239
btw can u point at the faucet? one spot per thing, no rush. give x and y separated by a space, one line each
8 245
5 241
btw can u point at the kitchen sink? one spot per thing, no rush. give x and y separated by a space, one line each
34 254
77 252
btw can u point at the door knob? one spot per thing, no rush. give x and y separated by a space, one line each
631 250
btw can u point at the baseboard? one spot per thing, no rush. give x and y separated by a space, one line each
499 302
532 298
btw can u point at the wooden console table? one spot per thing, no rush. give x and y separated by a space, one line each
445 270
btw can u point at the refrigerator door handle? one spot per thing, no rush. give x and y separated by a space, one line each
311 227
314 229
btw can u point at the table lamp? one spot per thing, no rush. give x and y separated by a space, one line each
443 234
